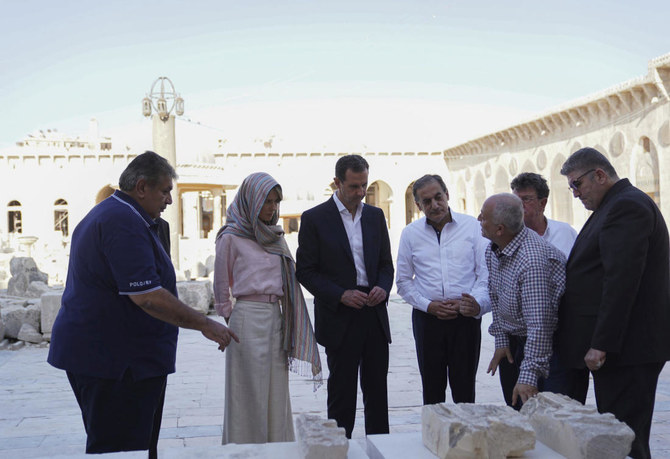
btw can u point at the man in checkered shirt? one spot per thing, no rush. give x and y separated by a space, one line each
526 282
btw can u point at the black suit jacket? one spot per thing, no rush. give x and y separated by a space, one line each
164 233
617 296
325 266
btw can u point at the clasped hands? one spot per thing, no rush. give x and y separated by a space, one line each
357 299
449 309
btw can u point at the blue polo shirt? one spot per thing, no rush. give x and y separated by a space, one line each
115 252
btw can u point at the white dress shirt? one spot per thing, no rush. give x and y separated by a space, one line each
560 235
355 236
428 270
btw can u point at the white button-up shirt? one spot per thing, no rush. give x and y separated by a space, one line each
355 235
560 235
428 270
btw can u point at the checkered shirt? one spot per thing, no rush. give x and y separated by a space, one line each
526 282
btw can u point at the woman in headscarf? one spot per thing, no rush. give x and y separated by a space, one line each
254 264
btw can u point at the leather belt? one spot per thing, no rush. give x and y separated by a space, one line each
259 297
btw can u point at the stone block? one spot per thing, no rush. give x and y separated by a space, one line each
320 438
36 289
468 430
13 315
24 271
209 265
575 430
32 316
50 305
2 329
196 294
29 334
21 264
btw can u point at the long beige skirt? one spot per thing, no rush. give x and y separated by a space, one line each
257 402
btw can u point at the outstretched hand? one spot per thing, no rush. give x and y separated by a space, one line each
499 354
219 333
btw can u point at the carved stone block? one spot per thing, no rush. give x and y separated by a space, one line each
320 438
468 430
575 430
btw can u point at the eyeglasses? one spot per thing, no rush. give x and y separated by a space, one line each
576 183
527 199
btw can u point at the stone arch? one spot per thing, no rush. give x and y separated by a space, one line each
575 146
561 199
646 169
461 195
61 217
480 191
412 212
617 144
379 194
14 217
501 184
528 166
104 192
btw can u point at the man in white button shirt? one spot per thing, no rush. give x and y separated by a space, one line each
533 191
441 272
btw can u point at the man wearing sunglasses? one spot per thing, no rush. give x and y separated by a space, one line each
615 314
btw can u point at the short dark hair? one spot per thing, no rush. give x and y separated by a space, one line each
354 163
532 180
149 166
588 158
425 180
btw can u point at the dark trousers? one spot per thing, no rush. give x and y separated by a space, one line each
447 350
364 347
509 372
628 392
120 415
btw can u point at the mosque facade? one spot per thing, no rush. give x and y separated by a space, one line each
50 181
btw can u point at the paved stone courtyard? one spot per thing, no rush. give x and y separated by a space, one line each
39 416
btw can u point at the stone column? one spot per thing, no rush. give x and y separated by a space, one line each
164 144
218 213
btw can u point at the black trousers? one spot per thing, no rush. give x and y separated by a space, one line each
447 350
628 392
123 415
509 372
364 349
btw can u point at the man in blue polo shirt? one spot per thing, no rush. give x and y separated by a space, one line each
116 331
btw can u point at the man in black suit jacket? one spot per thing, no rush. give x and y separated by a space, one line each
344 260
615 315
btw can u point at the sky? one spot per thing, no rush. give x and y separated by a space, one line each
392 74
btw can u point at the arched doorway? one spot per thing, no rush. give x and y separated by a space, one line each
379 194
412 212
646 170
561 199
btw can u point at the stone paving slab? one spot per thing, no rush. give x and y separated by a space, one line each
39 416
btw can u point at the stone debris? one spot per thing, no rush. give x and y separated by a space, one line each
12 316
17 345
468 430
320 438
29 334
50 305
24 271
575 430
197 294
36 289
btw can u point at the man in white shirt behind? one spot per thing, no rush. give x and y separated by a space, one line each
441 272
533 191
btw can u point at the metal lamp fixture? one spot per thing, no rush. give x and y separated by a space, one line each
162 99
